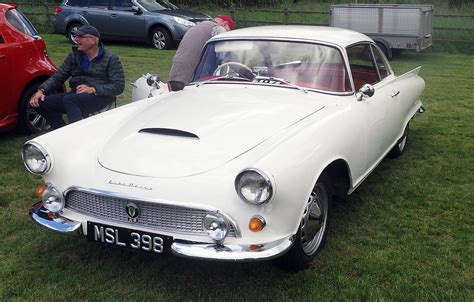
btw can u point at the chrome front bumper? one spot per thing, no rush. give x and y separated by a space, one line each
208 251
232 252
40 215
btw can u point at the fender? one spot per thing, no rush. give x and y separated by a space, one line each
162 23
74 18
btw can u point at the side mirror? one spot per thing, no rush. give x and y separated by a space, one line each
136 10
366 90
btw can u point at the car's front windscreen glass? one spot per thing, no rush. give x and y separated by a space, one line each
306 65
157 5
20 22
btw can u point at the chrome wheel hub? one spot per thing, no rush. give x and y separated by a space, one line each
402 144
36 121
313 223
159 40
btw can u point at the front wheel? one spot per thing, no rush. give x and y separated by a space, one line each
312 233
161 38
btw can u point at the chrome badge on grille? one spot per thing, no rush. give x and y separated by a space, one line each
132 211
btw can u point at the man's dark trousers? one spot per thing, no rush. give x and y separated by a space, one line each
75 105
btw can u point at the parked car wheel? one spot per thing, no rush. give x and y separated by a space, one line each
312 233
161 38
29 120
71 32
400 147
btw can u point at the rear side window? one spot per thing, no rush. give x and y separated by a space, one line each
19 21
73 2
124 5
98 3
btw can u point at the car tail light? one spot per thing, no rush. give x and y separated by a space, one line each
58 10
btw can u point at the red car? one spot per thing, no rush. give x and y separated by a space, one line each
24 65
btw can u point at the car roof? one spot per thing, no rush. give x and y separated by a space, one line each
7 6
334 35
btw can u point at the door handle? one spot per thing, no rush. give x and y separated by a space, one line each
114 15
395 93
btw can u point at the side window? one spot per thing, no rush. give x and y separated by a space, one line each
123 5
382 64
103 4
17 20
362 65
1 39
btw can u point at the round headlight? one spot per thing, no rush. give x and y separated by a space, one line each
35 158
53 199
216 226
253 187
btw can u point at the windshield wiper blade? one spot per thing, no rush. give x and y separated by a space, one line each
274 80
226 77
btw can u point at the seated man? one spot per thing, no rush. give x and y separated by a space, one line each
96 77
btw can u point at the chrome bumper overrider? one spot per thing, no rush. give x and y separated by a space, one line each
62 225
209 251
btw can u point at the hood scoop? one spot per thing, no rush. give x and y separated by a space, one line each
169 132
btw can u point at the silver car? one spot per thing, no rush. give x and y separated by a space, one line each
158 22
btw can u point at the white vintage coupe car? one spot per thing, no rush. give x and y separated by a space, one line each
242 164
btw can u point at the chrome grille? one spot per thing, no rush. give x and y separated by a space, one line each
153 215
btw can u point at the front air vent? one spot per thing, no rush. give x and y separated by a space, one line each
169 132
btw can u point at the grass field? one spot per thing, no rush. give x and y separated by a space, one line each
405 234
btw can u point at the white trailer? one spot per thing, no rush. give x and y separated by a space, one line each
391 26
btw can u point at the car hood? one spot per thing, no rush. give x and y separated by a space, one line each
201 128
186 14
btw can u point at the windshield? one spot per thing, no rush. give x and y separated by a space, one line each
156 5
306 65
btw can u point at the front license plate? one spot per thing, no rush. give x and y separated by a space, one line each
133 239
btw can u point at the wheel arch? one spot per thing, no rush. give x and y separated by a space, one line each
388 49
160 25
74 18
338 172
36 80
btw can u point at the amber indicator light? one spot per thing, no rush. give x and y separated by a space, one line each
40 189
256 224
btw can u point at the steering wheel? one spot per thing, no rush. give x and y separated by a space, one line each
235 69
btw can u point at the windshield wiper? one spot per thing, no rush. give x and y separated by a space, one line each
226 77
273 80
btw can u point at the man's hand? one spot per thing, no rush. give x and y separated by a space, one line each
85 89
36 98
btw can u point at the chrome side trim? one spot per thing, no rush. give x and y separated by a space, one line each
39 214
232 252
